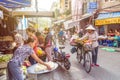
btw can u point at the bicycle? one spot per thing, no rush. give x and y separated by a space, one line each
84 53
61 57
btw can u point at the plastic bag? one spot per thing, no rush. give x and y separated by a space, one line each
73 50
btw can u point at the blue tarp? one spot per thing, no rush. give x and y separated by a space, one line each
15 3
108 15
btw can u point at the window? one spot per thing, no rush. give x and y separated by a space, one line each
106 0
66 2
66 6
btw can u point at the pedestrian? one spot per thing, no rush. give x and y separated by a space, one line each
48 44
41 40
60 35
20 54
18 38
92 36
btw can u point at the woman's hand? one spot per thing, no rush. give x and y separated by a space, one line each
48 67
40 61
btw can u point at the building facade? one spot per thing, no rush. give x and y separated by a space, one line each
109 16
65 5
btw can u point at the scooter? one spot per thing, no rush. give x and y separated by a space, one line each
61 57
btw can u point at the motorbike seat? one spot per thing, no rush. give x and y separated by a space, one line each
61 47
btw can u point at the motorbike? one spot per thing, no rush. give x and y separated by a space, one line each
61 57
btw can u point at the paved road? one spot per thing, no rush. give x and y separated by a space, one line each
109 68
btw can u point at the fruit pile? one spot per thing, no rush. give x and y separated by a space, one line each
5 58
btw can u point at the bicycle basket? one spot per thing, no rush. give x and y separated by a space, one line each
87 47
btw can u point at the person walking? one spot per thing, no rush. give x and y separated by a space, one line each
48 44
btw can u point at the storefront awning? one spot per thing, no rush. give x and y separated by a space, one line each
108 18
15 3
59 21
82 18
68 24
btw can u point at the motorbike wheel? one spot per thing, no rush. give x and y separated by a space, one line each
67 64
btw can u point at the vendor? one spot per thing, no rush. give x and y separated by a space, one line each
92 36
18 38
20 54
31 33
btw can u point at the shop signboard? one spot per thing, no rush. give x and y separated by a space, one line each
107 21
1 14
92 6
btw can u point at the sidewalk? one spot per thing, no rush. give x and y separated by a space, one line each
116 48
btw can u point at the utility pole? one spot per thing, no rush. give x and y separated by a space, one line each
36 7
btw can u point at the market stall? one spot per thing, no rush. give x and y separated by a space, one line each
108 24
3 63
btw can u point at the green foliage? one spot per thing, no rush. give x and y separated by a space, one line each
67 12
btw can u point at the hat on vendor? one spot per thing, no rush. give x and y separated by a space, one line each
90 27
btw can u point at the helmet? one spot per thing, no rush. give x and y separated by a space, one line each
55 49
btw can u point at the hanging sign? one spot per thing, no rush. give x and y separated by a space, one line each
92 7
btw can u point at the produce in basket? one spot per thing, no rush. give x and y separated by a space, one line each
41 67
24 69
5 58
81 41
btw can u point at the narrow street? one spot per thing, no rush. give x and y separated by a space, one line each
108 70
31 26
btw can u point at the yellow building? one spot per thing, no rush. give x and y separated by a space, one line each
65 5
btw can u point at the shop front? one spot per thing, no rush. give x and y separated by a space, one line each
7 26
108 21
109 26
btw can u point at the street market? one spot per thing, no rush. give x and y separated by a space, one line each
59 39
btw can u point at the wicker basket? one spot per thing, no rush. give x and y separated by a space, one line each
87 47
